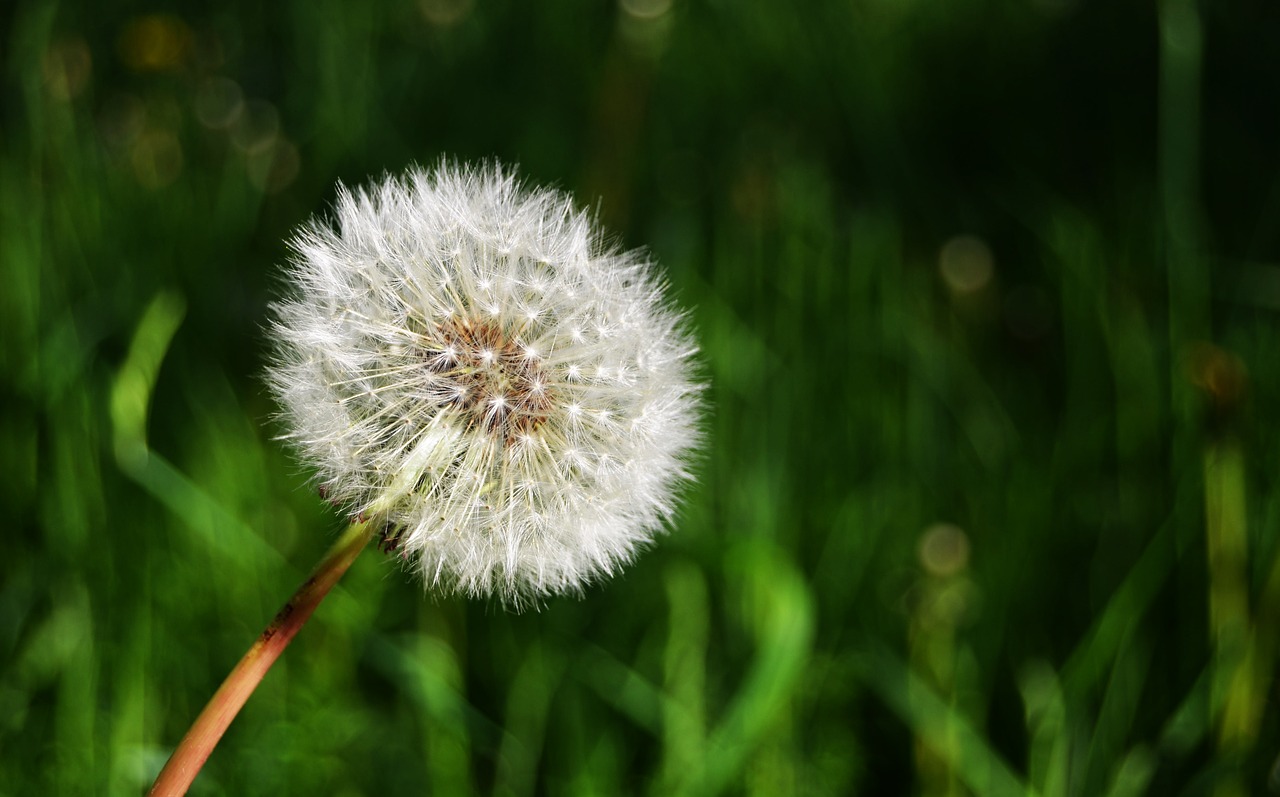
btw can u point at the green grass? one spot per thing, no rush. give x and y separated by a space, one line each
797 175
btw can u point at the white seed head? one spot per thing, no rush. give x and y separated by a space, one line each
467 362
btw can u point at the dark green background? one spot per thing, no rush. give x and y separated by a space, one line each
1011 266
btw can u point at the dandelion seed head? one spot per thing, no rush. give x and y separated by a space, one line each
468 361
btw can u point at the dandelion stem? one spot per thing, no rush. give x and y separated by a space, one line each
195 747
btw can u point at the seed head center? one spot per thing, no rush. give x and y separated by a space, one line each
496 384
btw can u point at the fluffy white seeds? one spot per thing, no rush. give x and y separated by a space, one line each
467 362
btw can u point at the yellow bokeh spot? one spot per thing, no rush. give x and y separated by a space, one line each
966 264
155 43
944 550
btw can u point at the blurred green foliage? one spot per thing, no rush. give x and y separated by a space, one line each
988 293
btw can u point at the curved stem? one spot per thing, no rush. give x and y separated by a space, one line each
195 747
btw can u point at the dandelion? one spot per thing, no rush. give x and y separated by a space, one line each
476 374
470 363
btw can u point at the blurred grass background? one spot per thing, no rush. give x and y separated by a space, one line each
988 293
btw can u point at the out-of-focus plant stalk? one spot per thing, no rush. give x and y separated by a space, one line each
943 597
1229 619
1237 690
1239 662
195 747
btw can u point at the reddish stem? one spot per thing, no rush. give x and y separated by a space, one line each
195 747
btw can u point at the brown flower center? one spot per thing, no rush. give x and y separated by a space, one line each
493 379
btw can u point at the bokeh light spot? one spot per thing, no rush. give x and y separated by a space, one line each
155 43
67 67
121 120
444 13
219 102
966 264
944 550
1220 374
645 9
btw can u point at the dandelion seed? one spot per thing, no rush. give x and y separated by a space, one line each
432 367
